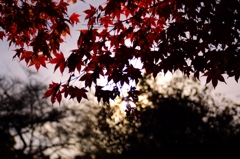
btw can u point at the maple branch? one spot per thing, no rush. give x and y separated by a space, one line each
137 14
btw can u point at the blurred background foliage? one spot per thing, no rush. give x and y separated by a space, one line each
180 119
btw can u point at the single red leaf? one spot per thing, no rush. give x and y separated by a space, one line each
100 8
220 78
2 34
59 60
66 30
37 61
63 4
237 77
59 97
18 52
80 38
90 12
214 82
91 21
75 92
53 91
117 13
209 76
73 1
26 55
74 18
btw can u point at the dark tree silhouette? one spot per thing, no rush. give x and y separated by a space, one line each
180 120
31 129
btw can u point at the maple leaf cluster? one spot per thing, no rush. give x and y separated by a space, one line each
193 36
35 24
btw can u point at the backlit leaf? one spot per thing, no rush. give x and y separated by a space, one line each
74 18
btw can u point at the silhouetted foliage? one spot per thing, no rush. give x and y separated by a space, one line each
197 37
29 127
180 120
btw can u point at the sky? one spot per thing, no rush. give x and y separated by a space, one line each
14 68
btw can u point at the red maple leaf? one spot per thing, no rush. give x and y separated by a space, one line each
74 18
215 76
2 34
59 60
90 12
38 61
54 92
149 25
26 55
63 4
73 1
75 92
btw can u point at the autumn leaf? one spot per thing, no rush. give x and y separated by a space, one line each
90 12
75 92
38 61
74 18
53 92
26 55
156 31
59 61
63 5
214 76
102 94
91 21
2 34
73 1
18 52
87 79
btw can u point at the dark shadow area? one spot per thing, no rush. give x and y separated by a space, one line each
180 120
30 128
175 126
